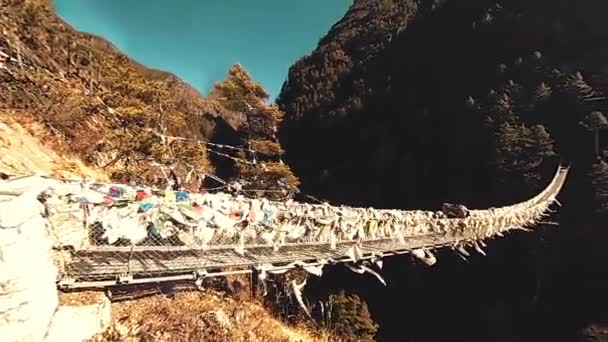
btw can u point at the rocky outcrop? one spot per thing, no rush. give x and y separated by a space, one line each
27 281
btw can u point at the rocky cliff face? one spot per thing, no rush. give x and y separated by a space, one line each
93 101
412 103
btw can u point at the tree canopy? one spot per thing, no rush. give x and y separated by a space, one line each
262 170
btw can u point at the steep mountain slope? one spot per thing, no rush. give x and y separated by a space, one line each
22 153
409 106
72 105
329 82
92 100
410 91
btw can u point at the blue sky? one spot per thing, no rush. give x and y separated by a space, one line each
198 40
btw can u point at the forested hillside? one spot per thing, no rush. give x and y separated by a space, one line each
86 99
93 101
72 105
409 104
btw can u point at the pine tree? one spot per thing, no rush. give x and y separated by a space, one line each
503 103
599 181
512 113
263 169
350 317
595 122
520 151
576 85
542 92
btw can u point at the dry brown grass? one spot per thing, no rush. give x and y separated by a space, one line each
199 316
22 153
81 298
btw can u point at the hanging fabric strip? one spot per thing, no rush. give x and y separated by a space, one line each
463 251
479 249
314 269
355 253
297 291
240 248
262 276
425 256
377 259
332 240
360 269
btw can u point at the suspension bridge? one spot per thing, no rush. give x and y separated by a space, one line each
104 237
